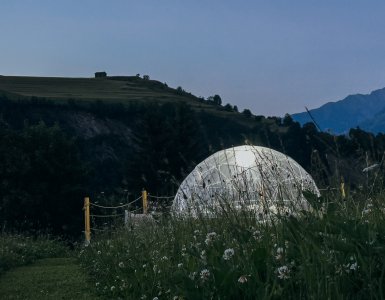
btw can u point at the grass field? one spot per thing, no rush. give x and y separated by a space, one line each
49 278
335 252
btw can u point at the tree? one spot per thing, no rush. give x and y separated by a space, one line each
228 107
287 120
246 112
216 99
42 180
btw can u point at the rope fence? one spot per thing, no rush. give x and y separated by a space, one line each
146 203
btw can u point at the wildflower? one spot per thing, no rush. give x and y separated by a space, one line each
283 272
99 252
210 237
351 267
144 266
257 235
180 266
279 254
183 252
242 279
112 288
155 298
354 266
121 265
192 275
164 258
205 274
203 255
97 284
228 254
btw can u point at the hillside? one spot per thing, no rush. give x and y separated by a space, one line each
64 138
353 111
111 89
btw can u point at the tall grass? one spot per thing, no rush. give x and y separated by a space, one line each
334 251
17 249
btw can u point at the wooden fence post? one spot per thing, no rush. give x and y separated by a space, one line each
145 203
87 226
343 195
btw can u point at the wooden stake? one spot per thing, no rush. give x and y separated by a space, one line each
87 226
145 203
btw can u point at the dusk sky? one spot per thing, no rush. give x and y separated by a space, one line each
273 57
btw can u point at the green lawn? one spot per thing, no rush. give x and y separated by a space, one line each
50 278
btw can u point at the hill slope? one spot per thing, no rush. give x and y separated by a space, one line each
111 89
348 113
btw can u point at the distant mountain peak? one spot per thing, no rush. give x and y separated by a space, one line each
364 111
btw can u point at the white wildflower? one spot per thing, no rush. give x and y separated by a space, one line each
279 254
283 272
349 267
203 255
192 275
164 258
354 266
121 265
155 298
112 288
228 254
242 279
257 235
180 265
210 237
205 274
99 252
183 252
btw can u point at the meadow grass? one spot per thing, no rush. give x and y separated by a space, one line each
48 278
336 251
18 249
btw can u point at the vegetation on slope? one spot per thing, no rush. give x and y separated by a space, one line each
54 151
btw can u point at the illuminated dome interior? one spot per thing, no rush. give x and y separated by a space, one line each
252 177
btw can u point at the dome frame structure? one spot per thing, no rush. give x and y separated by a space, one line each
253 177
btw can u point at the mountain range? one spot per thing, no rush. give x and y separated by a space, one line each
364 111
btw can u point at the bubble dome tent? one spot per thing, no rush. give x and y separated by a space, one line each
256 178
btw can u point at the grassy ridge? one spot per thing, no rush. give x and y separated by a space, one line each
115 89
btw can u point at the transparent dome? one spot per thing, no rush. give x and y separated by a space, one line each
251 177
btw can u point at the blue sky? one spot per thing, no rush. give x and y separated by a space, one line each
273 57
